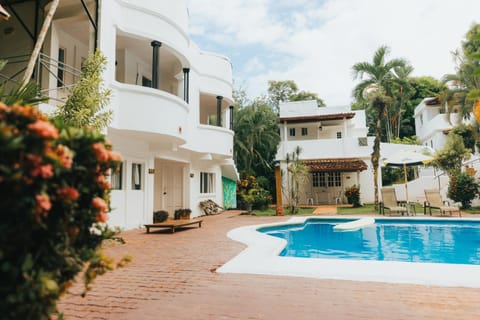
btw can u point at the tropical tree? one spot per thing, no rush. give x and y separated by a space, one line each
451 156
297 175
287 90
256 139
463 91
378 81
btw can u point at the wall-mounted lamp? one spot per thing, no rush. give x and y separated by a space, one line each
192 175
151 171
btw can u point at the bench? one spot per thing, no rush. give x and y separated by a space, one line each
174 224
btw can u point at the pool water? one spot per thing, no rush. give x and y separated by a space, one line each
436 241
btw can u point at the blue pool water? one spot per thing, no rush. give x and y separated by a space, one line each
387 240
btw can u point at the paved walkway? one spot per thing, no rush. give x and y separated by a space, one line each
172 277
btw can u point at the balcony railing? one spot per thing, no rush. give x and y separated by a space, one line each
50 74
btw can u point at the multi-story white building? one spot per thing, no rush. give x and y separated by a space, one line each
432 123
334 145
337 151
172 102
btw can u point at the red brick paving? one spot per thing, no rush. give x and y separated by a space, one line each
171 277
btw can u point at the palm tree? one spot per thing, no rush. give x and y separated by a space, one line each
378 81
256 138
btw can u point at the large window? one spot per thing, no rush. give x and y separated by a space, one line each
117 178
137 173
207 182
324 179
318 179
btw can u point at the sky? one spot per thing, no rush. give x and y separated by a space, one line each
316 42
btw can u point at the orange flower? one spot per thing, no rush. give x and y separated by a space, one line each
43 203
65 156
100 204
104 184
102 217
43 129
101 153
68 193
45 171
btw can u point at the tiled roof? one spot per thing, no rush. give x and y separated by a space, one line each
337 164
333 116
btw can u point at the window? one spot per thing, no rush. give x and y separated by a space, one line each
137 176
207 182
117 178
146 82
421 119
318 179
304 131
339 135
61 68
292 132
324 179
334 179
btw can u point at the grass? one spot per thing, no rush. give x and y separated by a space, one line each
272 212
365 209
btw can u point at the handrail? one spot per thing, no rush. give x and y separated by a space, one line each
47 64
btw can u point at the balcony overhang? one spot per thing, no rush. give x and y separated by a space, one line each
336 164
315 118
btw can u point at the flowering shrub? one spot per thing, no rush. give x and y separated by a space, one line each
463 188
353 195
251 195
54 202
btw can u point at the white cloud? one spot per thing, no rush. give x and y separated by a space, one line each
325 38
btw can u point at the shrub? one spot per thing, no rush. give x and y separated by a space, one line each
55 199
353 195
463 188
251 196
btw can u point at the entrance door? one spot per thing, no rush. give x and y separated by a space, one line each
171 186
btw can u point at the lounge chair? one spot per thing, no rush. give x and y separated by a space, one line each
174 224
389 202
434 201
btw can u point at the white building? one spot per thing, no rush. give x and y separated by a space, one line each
337 151
171 101
432 123
334 146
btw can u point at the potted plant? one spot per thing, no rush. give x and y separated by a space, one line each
352 194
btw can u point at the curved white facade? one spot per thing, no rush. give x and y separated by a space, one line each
170 100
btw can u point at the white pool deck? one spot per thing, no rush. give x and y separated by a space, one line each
262 257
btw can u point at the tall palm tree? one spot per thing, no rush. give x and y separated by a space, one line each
378 81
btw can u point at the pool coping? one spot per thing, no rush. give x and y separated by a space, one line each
262 257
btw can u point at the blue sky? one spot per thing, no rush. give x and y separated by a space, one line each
316 42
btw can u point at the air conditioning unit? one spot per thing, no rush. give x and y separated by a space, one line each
362 141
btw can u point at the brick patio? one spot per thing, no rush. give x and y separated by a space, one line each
172 277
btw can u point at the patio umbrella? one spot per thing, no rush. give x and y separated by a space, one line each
405 158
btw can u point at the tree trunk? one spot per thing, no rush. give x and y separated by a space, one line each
376 150
39 43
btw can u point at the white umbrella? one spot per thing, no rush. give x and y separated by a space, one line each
404 158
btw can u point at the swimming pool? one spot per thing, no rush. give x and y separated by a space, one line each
445 241
262 256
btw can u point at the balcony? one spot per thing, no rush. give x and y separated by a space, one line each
165 21
211 139
327 148
215 73
148 110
